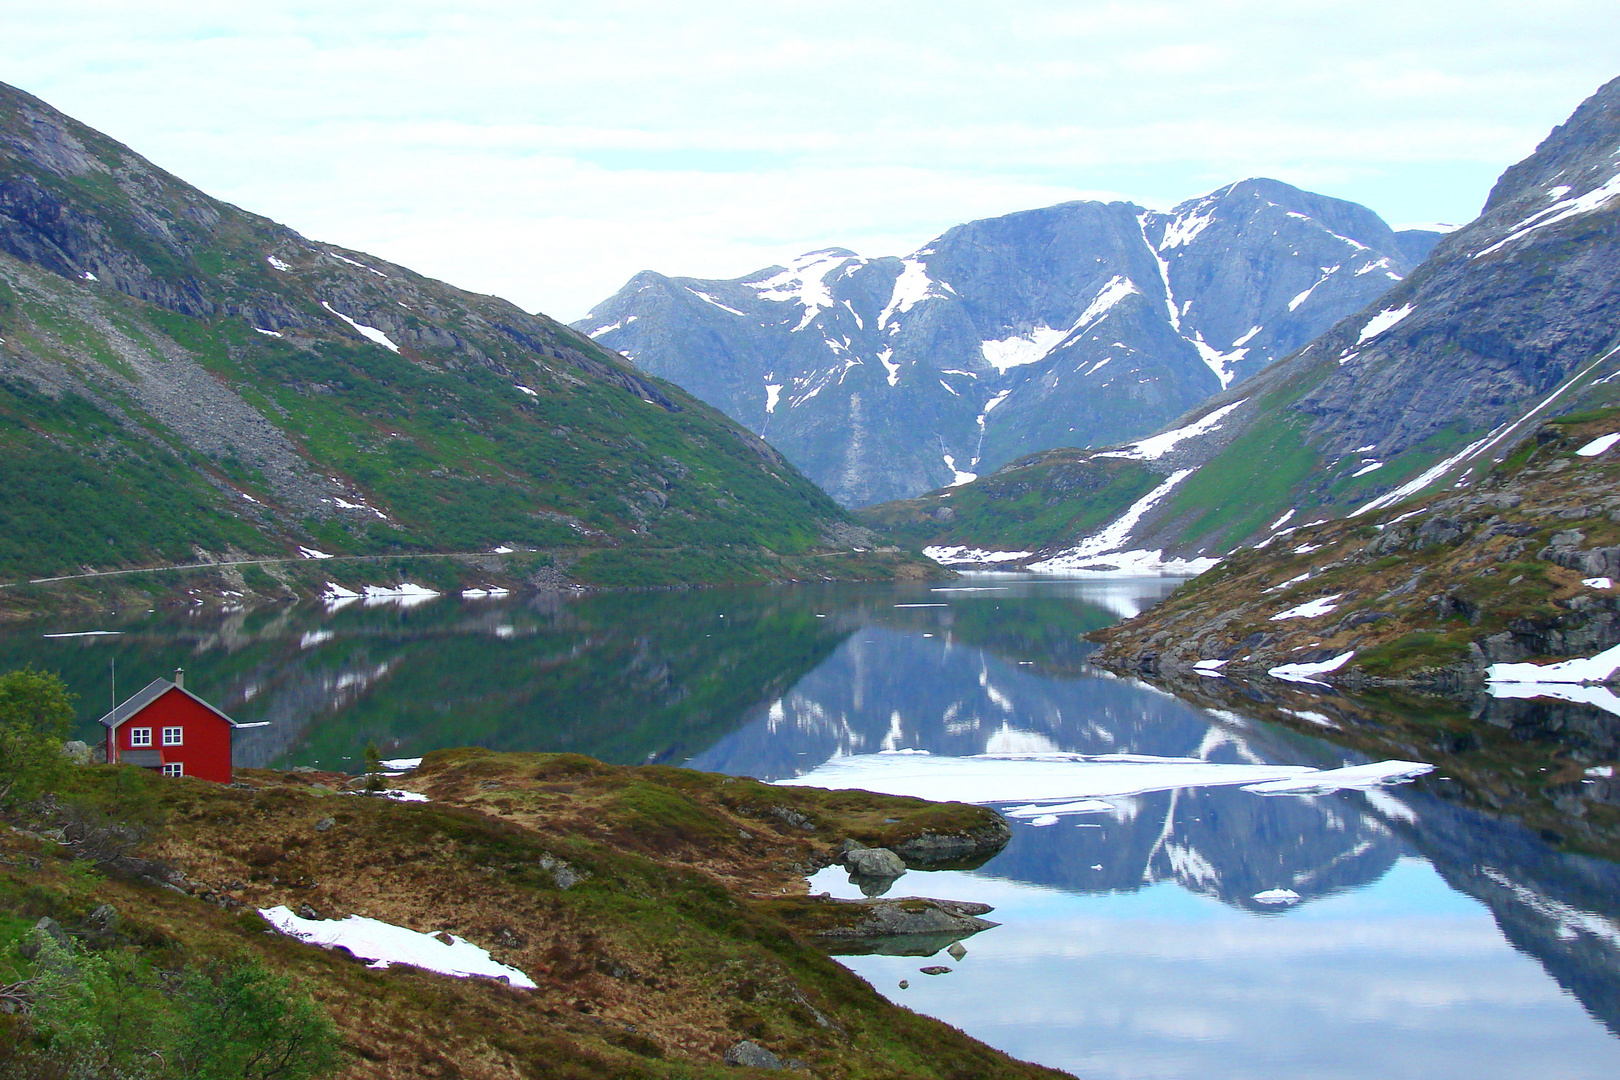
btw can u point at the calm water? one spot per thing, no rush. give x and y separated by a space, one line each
1198 932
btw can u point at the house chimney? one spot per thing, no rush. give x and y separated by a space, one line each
180 677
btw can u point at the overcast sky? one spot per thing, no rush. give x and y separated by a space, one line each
546 152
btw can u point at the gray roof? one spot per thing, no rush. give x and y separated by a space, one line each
146 759
150 693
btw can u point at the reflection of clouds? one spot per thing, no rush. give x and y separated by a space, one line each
1358 989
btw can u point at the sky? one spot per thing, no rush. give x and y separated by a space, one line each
547 152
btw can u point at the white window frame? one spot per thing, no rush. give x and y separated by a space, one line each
174 736
173 768
140 737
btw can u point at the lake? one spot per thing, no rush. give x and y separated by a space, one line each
1157 918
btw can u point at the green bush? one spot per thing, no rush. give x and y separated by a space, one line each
36 712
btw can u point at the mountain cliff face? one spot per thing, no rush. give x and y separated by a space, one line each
1075 325
1509 321
183 381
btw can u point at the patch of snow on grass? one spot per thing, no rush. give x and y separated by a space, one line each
334 591
1301 673
369 332
960 476
400 764
277 263
384 944
267 333
403 595
1156 446
1599 445
1382 322
1591 669
312 553
1365 469
961 553
1313 609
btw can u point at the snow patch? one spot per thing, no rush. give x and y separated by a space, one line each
1313 609
1156 446
773 393
911 288
1021 349
369 332
277 264
960 476
1599 445
312 553
1562 210
1301 673
1382 322
961 553
1597 583
384 944
1590 669
701 295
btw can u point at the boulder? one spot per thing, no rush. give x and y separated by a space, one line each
874 863
754 1056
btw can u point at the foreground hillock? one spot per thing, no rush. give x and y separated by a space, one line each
1522 565
651 907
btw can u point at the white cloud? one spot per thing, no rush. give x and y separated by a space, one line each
545 154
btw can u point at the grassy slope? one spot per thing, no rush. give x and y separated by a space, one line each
628 479
650 967
1042 501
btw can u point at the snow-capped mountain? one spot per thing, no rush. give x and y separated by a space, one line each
1080 324
1511 320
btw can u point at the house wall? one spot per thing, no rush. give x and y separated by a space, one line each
205 751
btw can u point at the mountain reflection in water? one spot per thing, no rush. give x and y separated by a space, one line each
1211 931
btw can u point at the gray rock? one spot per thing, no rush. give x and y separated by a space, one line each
563 874
76 752
792 818
874 863
754 1056
957 950
30 947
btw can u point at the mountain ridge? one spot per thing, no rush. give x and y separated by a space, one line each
1075 324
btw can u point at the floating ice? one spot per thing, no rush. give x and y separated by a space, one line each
384 944
1350 778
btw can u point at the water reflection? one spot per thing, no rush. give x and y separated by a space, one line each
1198 931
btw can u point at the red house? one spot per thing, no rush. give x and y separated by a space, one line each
168 728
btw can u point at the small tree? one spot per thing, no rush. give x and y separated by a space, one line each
374 778
36 714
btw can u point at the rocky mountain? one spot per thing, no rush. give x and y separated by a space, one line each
1510 320
182 381
1075 325
1520 565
